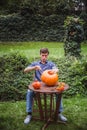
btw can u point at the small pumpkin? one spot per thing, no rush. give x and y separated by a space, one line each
36 84
49 77
60 86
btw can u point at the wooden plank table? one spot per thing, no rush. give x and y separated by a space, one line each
50 92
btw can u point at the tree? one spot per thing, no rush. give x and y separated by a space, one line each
74 36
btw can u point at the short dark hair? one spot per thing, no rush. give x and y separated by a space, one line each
44 50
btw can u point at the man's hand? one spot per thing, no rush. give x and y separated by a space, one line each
28 69
37 67
55 70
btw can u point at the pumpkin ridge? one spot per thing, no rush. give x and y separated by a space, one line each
49 77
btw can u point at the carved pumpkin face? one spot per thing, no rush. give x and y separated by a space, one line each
36 84
49 77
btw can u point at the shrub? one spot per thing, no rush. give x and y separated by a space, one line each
14 83
73 71
83 16
74 36
31 28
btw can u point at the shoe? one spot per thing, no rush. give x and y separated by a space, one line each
27 119
62 118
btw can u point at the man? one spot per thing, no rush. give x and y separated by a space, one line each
39 67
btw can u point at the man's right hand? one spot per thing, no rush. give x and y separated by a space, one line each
37 67
28 69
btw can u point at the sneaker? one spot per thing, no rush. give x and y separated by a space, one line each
27 119
62 118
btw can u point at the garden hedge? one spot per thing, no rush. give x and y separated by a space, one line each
17 27
14 82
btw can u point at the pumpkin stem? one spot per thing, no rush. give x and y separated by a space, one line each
50 72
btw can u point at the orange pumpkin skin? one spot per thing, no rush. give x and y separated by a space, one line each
36 84
49 77
61 86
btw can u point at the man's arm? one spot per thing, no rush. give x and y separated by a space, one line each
55 70
28 69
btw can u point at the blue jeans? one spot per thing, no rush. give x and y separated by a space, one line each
29 101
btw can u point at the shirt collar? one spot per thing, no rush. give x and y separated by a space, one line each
41 62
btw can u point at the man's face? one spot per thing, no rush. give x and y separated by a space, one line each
44 57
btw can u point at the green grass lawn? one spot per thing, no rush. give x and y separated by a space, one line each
12 115
31 49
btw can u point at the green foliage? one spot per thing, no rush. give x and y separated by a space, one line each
83 16
13 82
34 20
72 48
70 19
12 115
73 71
74 36
45 7
31 28
9 6
14 6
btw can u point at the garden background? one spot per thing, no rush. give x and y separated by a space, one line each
25 27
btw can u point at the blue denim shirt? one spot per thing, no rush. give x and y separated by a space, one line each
46 66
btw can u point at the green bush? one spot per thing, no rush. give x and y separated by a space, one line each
27 27
14 83
31 28
74 36
83 16
73 71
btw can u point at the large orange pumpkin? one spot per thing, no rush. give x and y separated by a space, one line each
49 77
